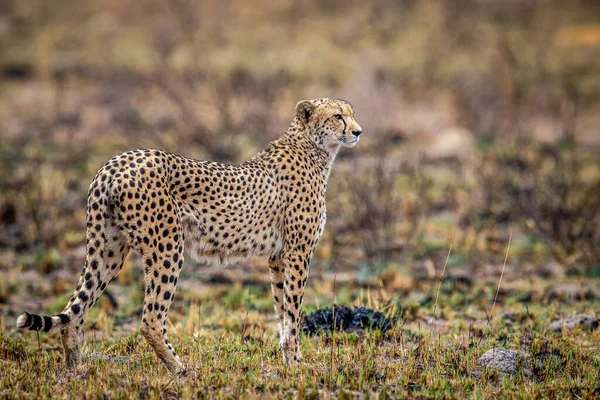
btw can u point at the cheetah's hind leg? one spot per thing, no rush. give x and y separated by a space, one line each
163 259
95 277
161 282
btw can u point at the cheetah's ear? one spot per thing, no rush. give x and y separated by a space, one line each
304 110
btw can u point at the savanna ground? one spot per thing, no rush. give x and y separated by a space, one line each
479 165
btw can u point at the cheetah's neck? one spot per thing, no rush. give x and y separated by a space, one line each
298 135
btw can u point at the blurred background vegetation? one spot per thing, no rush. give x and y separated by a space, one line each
481 117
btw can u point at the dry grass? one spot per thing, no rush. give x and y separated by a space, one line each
233 351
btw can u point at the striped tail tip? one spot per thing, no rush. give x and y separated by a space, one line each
24 321
42 323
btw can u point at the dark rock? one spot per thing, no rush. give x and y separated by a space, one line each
346 319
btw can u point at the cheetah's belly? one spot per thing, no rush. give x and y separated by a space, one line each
219 240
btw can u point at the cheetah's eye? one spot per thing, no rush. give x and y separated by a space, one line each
338 116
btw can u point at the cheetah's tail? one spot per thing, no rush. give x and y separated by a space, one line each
44 323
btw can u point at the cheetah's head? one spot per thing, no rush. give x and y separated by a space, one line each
330 122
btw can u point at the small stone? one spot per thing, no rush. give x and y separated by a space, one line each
584 321
506 362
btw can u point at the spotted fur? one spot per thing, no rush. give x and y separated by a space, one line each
159 203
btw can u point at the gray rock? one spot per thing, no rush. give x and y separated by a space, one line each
507 362
585 321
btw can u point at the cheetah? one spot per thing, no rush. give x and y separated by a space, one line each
159 204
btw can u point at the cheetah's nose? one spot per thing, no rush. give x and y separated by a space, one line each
357 133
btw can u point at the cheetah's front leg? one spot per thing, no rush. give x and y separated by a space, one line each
276 275
295 276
